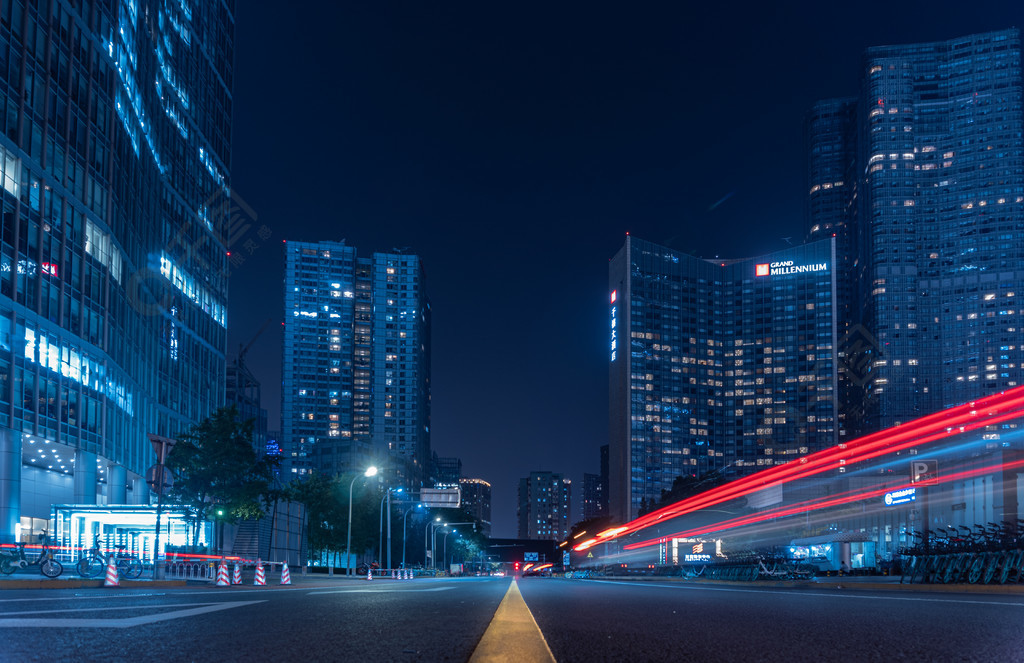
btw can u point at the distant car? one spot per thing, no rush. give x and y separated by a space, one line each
500 574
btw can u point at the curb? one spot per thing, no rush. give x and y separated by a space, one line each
84 584
835 583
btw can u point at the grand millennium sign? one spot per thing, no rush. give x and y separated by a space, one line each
787 267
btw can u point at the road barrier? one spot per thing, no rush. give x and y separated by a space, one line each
199 571
111 580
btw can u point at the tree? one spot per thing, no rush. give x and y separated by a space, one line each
591 526
327 508
216 465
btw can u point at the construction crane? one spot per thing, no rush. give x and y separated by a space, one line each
240 360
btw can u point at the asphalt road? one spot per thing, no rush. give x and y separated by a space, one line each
312 620
662 621
320 619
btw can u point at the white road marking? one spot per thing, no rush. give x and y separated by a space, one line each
65 611
82 597
383 590
130 622
801 593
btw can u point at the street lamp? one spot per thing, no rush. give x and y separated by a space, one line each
425 539
444 548
370 471
417 506
387 496
433 544
220 531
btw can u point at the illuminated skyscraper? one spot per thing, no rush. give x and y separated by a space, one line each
115 168
716 365
922 177
356 366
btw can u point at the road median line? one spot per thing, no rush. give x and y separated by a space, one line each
513 634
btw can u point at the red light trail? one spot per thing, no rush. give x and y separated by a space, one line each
953 421
814 505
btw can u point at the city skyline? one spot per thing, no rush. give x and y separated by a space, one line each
513 155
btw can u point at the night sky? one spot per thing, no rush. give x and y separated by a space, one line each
512 147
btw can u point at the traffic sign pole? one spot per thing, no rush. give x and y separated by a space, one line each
162 446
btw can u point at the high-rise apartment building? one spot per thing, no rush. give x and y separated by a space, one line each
716 365
595 496
356 368
922 178
115 136
544 499
594 503
476 500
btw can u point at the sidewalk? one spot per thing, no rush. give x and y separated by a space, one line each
73 581
889 583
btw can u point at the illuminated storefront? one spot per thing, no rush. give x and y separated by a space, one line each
134 527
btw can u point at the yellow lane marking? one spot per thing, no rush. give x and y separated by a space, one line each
513 634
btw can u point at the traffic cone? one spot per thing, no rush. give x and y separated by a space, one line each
236 577
111 580
394 574
286 577
369 574
222 575
261 576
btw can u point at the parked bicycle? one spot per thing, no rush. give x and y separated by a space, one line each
11 561
363 569
93 562
982 554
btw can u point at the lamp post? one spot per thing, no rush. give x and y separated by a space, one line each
444 549
370 471
433 544
425 539
220 531
387 496
403 531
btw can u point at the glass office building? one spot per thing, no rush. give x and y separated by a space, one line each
931 161
115 186
723 365
356 365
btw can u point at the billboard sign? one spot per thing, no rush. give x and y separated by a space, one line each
900 496
440 498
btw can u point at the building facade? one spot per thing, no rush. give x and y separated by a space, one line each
595 496
115 171
716 366
356 365
930 165
595 490
476 500
544 501
447 471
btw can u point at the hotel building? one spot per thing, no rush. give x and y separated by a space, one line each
716 365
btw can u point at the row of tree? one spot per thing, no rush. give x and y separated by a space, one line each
219 472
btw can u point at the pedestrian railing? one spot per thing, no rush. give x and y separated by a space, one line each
199 571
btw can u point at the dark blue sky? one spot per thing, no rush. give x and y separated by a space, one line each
512 147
